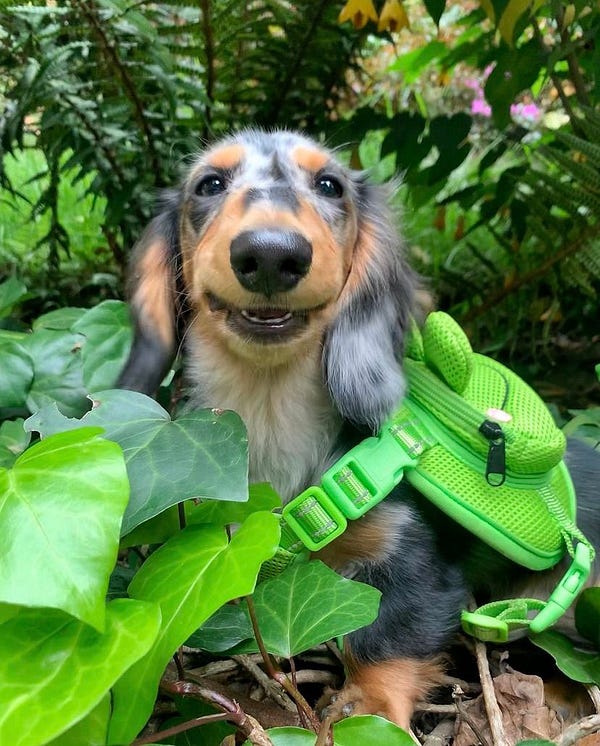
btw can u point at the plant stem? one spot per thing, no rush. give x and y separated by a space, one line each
245 723
181 728
278 675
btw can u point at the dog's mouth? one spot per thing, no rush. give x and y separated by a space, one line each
261 323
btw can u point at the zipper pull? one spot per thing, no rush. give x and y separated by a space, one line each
495 472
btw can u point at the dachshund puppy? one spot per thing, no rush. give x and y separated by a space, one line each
283 274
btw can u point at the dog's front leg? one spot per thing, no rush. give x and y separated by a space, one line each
395 661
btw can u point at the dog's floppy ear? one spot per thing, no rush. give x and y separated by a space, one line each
154 300
363 347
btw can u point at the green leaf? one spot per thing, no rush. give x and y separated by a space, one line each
57 371
578 665
11 292
60 512
587 615
515 71
435 8
359 730
210 446
13 441
290 736
189 577
308 604
54 670
108 333
90 730
226 628
62 319
16 374
412 64
353 731
260 497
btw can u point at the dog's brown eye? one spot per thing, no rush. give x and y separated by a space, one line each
329 186
211 185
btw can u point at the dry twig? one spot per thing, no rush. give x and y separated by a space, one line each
489 696
585 727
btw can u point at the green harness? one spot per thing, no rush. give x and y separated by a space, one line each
479 443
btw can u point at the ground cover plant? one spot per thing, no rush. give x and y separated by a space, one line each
117 560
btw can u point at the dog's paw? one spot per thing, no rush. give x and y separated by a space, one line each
338 704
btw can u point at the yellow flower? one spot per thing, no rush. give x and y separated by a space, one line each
359 12
393 16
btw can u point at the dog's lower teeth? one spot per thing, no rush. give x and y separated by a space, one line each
267 320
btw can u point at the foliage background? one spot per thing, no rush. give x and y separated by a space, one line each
490 117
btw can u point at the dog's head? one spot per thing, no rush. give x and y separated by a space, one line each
273 248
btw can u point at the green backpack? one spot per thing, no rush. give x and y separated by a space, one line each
479 443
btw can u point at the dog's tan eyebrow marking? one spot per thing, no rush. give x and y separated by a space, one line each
310 158
227 157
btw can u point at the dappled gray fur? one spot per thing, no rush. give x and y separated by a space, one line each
364 345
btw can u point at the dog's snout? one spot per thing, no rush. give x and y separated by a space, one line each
270 260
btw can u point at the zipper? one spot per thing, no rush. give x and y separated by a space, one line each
425 388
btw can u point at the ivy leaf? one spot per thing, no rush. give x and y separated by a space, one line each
90 730
61 319
226 628
189 577
60 513
353 731
210 446
108 333
308 604
13 441
577 664
57 371
260 497
16 373
54 670
587 615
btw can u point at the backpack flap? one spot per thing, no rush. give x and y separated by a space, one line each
492 458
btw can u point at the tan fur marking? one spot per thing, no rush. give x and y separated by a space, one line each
227 157
392 688
368 538
364 252
309 159
153 295
389 688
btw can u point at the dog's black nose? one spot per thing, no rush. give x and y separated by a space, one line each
270 260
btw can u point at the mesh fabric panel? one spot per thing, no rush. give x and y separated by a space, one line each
519 515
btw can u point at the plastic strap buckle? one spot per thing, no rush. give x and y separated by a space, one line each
314 518
566 591
367 473
500 621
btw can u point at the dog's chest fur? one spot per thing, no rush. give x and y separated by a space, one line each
292 425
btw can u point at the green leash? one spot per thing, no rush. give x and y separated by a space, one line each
504 482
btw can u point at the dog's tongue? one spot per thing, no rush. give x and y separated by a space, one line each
269 313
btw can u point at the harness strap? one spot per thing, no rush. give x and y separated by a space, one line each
359 480
500 621
365 475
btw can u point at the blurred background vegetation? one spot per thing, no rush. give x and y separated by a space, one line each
489 109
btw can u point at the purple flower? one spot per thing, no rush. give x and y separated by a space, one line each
480 106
